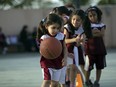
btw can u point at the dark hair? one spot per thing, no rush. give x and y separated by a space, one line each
61 10
50 19
97 10
54 10
53 18
87 27
41 29
80 13
86 23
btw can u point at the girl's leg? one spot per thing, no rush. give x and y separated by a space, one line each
98 74
72 76
73 73
88 62
67 74
67 79
54 84
62 85
87 75
100 64
83 72
46 83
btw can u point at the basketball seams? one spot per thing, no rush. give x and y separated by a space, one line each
47 49
57 50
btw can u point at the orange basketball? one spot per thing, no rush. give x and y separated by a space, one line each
50 48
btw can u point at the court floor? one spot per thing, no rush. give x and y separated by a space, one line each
23 70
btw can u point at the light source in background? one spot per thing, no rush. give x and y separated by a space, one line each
55 3
29 4
93 2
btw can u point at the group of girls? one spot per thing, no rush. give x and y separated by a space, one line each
81 35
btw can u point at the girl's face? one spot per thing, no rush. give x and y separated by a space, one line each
53 29
65 18
93 16
76 21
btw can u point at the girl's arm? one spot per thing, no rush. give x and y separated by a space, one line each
67 40
64 61
98 33
82 39
102 32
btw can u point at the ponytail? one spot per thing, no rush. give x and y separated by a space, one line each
87 27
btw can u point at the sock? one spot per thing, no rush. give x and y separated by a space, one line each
67 83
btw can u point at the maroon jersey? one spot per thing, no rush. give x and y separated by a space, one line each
53 63
78 31
70 46
95 45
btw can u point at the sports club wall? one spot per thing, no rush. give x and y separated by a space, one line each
12 21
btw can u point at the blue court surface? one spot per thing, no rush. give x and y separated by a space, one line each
23 70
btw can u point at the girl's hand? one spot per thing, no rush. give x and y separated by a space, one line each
77 39
95 31
78 44
71 55
64 62
81 40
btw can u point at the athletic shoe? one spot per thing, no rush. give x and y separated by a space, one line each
96 84
67 83
89 83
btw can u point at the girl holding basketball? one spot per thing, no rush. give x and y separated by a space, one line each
74 39
95 50
54 69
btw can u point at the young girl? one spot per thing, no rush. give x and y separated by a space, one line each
61 11
95 50
53 70
74 38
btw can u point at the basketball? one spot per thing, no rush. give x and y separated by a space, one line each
50 48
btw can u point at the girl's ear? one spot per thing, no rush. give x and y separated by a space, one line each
46 26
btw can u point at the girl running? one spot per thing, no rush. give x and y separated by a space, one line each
53 70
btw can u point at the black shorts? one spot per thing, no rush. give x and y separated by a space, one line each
98 60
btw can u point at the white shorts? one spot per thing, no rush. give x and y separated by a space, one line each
57 74
86 63
69 61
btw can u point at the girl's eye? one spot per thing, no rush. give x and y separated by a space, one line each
90 15
53 27
74 19
77 20
56 28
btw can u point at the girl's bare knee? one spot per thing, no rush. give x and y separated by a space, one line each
54 84
46 83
